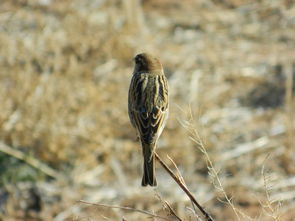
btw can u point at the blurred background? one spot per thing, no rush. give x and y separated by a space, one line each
65 68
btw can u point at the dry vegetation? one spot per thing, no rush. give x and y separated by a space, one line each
65 67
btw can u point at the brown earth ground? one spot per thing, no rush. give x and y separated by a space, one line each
65 136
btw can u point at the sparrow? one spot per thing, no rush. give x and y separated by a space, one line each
148 109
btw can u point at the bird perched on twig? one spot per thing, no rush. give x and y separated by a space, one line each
148 109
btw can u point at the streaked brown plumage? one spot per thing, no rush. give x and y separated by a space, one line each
148 108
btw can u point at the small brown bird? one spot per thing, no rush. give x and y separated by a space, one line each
148 109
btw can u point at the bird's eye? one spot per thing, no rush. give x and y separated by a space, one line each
138 60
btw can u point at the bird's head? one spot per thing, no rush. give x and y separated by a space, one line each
147 63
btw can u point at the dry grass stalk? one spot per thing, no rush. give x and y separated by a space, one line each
182 180
134 15
245 148
289 120
125 208
195 137
218 184
62 64
268 206
29 160
171 211
182 185
168 207
179 180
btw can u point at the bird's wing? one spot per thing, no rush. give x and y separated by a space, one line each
148 103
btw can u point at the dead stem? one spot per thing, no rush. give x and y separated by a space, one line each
124 208
183 187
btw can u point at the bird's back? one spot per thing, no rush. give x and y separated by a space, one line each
148 104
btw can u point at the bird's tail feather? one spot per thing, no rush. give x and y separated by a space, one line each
149 176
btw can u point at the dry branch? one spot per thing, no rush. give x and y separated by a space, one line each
169 208
289 120
29 160
184 188
171 211
124 208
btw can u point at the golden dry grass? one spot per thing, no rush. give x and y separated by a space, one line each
65 68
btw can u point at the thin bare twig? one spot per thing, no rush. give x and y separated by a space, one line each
270 207
181 179
184 188
124 208
193 211
177 170
212 171
169 208
195 137
29 160
289 119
